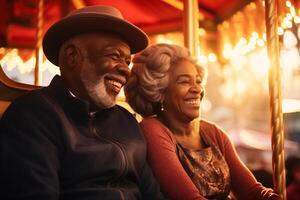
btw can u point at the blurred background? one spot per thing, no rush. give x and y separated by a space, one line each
232 38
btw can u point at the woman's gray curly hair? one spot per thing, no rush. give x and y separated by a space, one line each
150 76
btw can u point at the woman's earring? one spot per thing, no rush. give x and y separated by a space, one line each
162 107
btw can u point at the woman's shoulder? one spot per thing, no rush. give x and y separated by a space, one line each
151 121
209 126
153 127
213 131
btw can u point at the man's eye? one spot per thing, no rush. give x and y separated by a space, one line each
118 57
114 56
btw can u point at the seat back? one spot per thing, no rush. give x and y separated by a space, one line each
10 90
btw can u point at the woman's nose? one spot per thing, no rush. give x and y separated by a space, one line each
196 87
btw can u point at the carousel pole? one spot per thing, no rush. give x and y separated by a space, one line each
190 32
275 99
191 25
39 34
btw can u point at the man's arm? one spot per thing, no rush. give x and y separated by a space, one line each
150 187
29 153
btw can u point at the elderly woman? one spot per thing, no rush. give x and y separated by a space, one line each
191 158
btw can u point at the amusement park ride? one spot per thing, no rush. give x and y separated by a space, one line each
23 23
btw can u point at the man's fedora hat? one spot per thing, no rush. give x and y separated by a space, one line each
88 19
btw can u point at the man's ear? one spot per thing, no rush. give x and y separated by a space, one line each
72 56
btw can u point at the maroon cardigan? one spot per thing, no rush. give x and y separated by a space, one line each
175 182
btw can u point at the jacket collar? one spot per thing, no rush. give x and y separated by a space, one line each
79 108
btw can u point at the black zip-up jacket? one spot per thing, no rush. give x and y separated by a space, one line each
52 148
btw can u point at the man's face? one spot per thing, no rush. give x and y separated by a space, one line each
104 69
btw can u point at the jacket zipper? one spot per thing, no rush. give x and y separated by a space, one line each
124 163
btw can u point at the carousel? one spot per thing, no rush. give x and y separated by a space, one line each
250 48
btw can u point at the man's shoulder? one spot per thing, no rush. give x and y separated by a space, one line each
34 96
29 102
124 111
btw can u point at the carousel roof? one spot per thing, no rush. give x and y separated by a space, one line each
19 17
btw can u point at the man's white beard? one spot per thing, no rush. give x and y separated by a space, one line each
95 86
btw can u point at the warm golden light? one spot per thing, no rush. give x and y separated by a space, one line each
288 4
206 105
162 39
12 60
292 11
297 19
2 50
241 86
259 62
27 66
212 57
289 39
280 31
201 32
260 43
265 37
289 16
290 105
227 51
202 59
290 59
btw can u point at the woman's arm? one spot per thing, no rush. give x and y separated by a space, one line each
162 158
243 183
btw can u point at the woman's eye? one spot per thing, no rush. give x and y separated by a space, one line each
184 82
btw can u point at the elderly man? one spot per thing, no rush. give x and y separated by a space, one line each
69 140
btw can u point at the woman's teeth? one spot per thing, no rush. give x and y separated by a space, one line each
193 102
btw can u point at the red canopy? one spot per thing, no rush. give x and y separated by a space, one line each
19 17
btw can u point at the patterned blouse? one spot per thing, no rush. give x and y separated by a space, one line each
207 168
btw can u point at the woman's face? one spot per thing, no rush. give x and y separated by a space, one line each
183 95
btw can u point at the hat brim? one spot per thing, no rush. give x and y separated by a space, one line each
79 24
